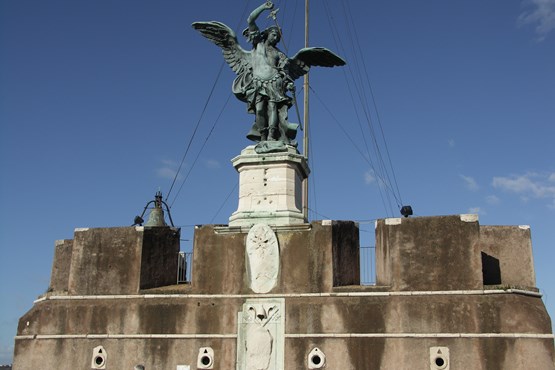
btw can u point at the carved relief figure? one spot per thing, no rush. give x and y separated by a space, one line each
262 252
261 331
259 341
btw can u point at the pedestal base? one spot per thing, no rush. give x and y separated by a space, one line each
269 187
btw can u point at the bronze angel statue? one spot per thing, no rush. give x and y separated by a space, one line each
265 75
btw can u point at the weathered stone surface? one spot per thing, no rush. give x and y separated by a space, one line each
432 295
123 260
76 354
346 253
354 332
59 278
511 246
159 256
409 353
429 253
315 258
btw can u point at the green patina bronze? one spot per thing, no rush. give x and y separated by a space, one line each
266 76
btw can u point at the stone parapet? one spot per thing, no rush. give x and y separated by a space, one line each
314 258
507 251
452 253
429 253
59 278
120 260
289 297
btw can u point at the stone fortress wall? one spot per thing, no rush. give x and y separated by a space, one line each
450 294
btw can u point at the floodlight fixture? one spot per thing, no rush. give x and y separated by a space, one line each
406 211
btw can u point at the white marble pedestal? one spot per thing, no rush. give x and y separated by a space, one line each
270 188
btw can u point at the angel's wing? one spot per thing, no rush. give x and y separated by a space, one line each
308 57
223 36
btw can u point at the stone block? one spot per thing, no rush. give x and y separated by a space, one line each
511 248
269 188
59 277
429 253
159 260
123 260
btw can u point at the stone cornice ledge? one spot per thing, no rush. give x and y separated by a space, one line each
245 229
292 295
287 336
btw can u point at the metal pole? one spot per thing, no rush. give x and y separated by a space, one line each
306 123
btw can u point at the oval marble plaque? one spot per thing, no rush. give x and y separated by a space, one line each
262 253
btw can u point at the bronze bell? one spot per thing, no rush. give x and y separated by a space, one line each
156 217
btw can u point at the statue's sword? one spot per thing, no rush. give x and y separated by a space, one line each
273 15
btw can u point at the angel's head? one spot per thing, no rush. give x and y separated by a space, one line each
272 34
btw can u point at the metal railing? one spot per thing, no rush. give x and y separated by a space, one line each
367 265
184 267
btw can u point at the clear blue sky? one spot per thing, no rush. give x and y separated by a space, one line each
99 99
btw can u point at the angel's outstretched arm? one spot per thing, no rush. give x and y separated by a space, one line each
256 13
